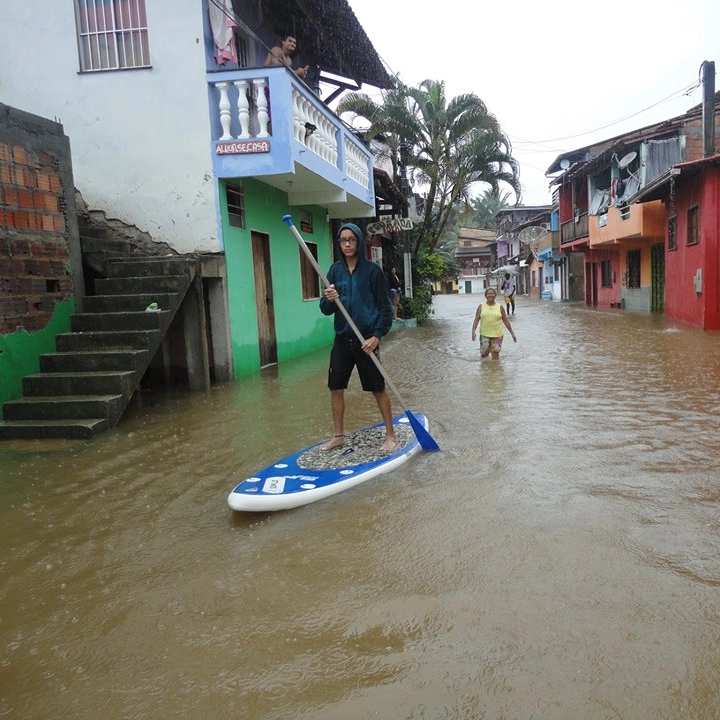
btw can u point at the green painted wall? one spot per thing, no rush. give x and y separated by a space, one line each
299 325
20 351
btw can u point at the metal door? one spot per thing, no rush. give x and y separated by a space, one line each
657 277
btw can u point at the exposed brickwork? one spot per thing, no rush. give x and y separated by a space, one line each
34 246
694 139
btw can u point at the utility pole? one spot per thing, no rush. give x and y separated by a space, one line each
708 108
405 188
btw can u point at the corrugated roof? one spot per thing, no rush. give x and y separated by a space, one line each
579 155
657 190
330 36
466 233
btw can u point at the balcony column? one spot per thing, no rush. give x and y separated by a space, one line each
243 109
262 107
224 107
298 122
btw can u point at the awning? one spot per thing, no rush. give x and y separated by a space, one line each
654 190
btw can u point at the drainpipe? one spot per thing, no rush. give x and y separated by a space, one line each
708 108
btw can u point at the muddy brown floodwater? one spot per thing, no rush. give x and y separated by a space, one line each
559 559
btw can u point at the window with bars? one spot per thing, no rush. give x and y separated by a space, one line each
693 225
112 34
235 205
310 280
633 269
672 233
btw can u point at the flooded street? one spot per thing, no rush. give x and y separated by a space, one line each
558 560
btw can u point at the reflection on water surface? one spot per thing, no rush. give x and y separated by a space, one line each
558 559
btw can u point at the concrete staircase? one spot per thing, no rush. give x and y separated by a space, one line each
84 388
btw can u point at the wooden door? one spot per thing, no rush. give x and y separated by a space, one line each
267 340
591 287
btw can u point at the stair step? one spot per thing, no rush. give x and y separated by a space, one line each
63 407
149 266
78 429
118 382
85 386
128 303
83 322
106 340
146 284
92 360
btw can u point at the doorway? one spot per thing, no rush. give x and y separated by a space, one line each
657 277
264 301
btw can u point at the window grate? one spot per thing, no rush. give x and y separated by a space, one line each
112 34
693 225
235 205
672 233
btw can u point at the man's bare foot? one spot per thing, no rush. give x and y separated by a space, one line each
389 445
333 442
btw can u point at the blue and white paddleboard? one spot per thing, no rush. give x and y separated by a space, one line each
312 474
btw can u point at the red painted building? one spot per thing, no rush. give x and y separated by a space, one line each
691 195
622 242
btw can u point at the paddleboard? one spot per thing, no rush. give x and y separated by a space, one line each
312 474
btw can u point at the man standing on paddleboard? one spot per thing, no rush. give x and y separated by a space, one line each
363 289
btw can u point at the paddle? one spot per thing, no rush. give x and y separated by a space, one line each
427 442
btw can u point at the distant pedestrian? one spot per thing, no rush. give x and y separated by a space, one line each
491 317
395 291
508 288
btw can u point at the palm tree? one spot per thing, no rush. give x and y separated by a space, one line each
484 208
386 121
452 145
461 143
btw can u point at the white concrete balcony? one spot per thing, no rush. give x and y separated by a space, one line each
267 124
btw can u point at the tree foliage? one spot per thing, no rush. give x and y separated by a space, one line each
450 146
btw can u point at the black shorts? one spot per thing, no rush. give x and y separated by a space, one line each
346 354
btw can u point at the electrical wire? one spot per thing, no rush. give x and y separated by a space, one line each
682 91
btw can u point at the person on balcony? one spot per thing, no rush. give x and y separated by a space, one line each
363 290
281 55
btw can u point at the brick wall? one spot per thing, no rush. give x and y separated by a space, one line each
40 262
694 138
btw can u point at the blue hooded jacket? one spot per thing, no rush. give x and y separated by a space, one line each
364 292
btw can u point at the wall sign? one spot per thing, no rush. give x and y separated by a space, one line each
244 147
394 225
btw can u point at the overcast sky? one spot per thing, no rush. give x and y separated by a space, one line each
558 75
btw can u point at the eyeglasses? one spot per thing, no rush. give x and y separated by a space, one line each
347 241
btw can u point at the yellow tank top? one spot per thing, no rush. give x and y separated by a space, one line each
491 324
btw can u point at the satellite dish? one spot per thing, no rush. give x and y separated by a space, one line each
625 160
564 164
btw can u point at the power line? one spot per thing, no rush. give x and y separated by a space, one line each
682 91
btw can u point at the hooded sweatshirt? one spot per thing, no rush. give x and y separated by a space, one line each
364 292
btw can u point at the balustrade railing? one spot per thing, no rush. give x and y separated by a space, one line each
272 119
244 105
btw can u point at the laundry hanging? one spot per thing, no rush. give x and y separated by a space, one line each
222 22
